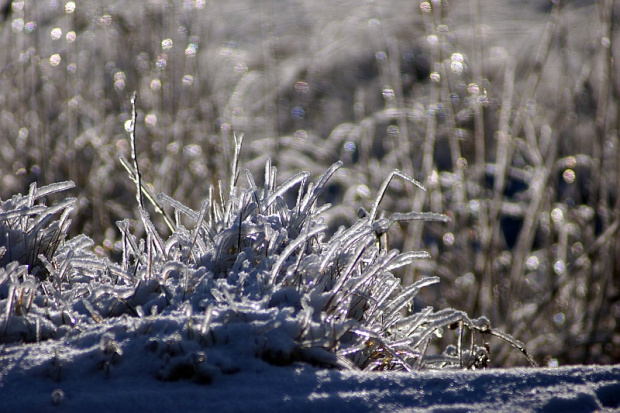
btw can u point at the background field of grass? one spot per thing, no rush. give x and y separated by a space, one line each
508 113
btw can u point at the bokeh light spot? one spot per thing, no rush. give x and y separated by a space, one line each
166 44
569 176
17 25
70 7
56 33
55 59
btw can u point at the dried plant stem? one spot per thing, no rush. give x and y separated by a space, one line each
134 151
478 69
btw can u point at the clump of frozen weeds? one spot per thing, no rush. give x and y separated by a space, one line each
253 278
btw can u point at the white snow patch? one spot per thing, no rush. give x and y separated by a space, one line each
29 381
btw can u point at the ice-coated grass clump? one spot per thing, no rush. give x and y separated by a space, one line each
253 278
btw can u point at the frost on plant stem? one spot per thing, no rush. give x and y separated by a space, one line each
252 277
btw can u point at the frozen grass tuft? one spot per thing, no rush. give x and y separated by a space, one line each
505 111
255 276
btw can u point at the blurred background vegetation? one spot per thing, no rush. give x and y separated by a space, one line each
507 111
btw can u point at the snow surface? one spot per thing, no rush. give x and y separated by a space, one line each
33 380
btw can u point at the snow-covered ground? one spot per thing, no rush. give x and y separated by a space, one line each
33 380
176 335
